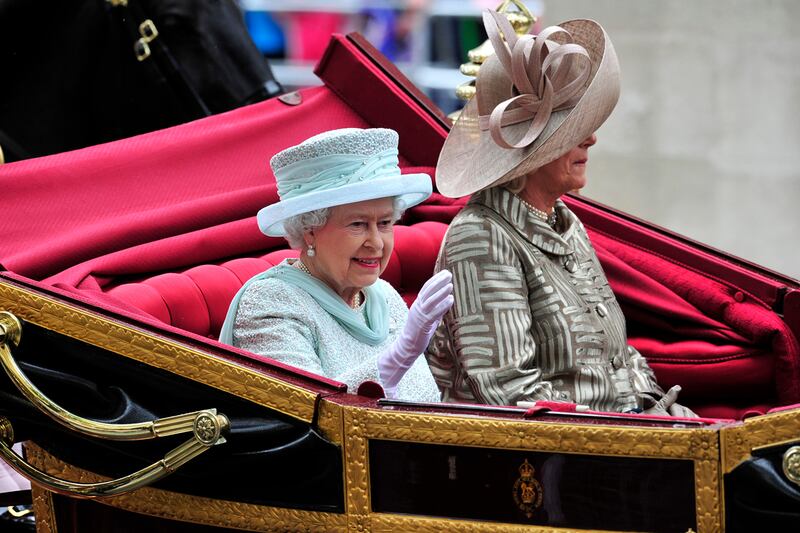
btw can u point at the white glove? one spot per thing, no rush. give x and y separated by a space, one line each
668 405
433 301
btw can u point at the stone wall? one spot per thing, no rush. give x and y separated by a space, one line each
705 139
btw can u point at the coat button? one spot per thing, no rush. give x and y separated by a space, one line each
601 310
616 362
571 265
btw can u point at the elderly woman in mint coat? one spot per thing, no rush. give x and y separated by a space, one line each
328 312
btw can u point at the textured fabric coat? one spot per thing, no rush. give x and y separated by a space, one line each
534 317
282 321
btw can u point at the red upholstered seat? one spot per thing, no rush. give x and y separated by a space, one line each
730 357
197 299
81 223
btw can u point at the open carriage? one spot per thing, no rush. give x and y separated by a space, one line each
119 263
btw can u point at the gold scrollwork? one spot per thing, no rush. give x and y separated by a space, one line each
698 444
707 500
195 509
42 501
356 471
146 348
331 421
386 523
685 443
759 432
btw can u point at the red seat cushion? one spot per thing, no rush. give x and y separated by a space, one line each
197 299
724 353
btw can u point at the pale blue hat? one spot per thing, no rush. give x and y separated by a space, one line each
339 167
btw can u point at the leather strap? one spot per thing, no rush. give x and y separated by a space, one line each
161 66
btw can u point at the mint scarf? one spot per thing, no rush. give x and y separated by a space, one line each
373 332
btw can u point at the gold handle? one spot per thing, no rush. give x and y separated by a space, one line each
150 474
207 427
11 335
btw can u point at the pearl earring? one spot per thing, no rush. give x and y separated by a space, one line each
310 252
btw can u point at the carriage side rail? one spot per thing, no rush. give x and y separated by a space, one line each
207 427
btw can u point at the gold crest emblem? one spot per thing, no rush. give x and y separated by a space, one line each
528 492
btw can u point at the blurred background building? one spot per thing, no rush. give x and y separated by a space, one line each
705 139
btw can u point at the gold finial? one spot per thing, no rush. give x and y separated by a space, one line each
521 20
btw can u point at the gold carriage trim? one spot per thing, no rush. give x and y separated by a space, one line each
43 510
387 523
765 431
182 507
701 445
671 443
160 353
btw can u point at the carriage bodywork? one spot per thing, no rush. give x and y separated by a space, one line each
298 452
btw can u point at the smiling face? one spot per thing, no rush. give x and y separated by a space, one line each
353 248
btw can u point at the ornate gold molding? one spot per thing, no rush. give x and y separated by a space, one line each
356 471
698 444
679 443
391 523
330 420
707 496
43 510
161 353
768 430
195 509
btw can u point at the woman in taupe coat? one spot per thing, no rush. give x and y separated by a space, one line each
534 317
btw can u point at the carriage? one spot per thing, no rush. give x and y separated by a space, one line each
119 261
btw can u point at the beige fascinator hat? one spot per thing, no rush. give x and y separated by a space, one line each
536 98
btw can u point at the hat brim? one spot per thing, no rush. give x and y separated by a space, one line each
411 189
470 160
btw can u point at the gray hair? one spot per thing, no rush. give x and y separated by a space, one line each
298 225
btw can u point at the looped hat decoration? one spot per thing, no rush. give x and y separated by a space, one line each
544 79
537 97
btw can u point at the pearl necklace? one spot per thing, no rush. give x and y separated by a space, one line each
550 219
355 303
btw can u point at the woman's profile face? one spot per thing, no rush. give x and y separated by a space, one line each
568 172
353 248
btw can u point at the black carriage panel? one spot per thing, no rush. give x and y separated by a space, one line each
763 492
533 488
268 458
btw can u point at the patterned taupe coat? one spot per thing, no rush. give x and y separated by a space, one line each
534 317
